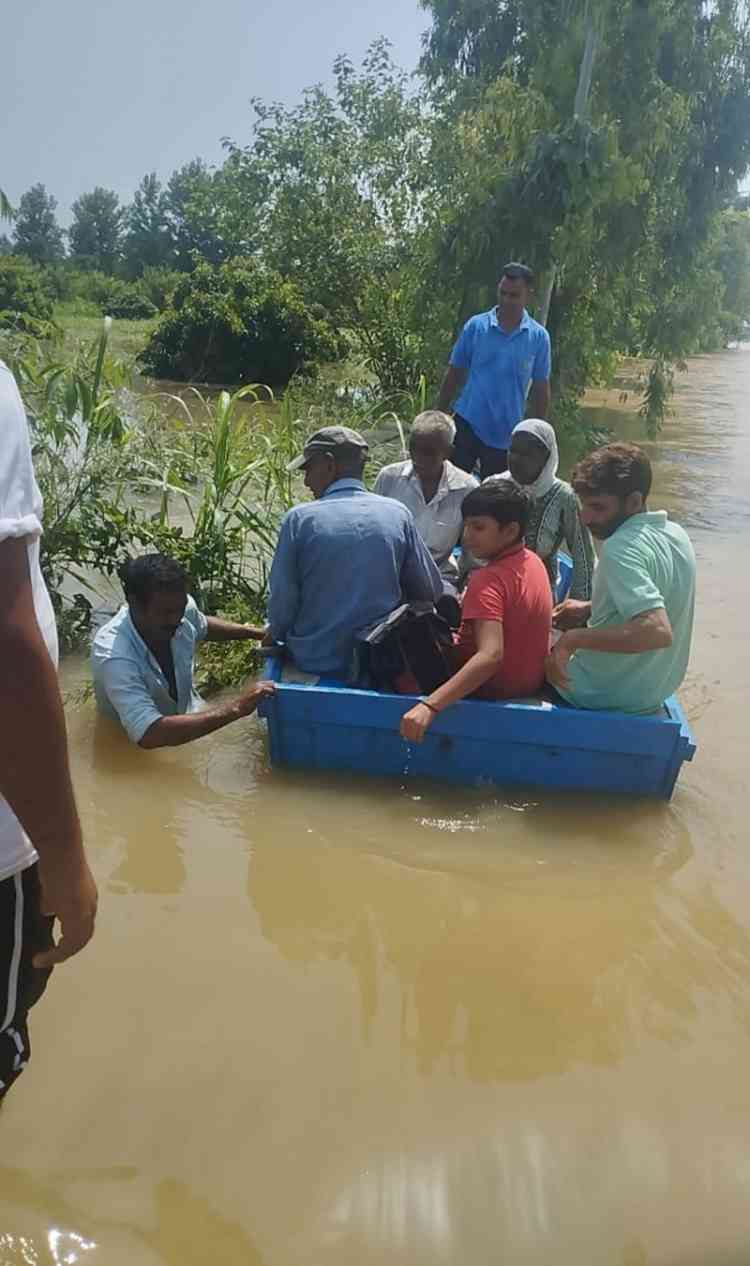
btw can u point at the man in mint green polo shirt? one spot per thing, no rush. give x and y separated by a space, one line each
633 652
498 374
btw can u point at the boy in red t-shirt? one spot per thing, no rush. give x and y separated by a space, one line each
507 609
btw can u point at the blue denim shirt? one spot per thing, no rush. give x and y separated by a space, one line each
130 686
501 366
342 563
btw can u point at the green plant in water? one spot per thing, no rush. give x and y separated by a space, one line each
227 469
80 446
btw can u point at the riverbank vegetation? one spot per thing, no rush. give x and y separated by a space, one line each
334 254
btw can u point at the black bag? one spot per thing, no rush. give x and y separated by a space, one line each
412 642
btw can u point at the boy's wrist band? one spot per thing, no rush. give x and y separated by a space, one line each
432 709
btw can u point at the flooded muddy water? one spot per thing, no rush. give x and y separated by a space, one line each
343 1021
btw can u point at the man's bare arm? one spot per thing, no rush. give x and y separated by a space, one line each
537 405
228 631
452 383
649 631
176 730
34 769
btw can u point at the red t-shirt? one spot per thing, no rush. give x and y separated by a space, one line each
515 590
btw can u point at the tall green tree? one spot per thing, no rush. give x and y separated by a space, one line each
37 233
147 240
620 198
206 215
96 232
335 186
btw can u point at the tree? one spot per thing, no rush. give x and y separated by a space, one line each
6 210
205 215
24 300
238 323
96 232
147 242
335 186
37 233
620 198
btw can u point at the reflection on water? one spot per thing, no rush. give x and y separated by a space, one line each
350 1021
603 953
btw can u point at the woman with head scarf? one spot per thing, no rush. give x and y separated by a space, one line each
533 460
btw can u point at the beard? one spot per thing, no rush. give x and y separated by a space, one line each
602 531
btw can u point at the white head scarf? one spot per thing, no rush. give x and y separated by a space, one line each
545 434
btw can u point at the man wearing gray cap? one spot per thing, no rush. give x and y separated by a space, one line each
343 561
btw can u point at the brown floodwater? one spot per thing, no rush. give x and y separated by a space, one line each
342 1021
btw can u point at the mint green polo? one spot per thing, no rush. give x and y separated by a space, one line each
647 564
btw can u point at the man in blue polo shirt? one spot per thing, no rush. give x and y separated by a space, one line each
501 358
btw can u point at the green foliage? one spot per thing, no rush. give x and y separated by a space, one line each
209 217
37 233
158 285
239 446
25 302
147 240
614 190
331 191
80 444
222 664
237 323
96 232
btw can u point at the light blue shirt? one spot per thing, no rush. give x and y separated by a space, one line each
130 686
501 366
646 565
342 563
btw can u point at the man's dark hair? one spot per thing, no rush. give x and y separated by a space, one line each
518 272
615 470
499 499
143 577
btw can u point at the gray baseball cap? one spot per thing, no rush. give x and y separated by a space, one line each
333 440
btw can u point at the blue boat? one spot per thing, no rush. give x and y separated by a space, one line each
332 726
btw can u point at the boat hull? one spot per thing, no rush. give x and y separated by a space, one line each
333 727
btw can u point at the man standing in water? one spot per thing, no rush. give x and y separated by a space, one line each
43 870
143 659
633 652
501 357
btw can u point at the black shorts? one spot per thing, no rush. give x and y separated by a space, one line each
24 931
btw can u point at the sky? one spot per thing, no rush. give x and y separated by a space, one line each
100 94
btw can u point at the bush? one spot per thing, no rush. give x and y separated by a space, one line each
97 294
159 284
127 301
24 297
239 323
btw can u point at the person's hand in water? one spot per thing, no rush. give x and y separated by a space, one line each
571 614
249 699
416 722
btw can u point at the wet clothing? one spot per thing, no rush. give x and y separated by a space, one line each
342 563
513 590
129 683
24 931
646 565
439 521
501 366
20 518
